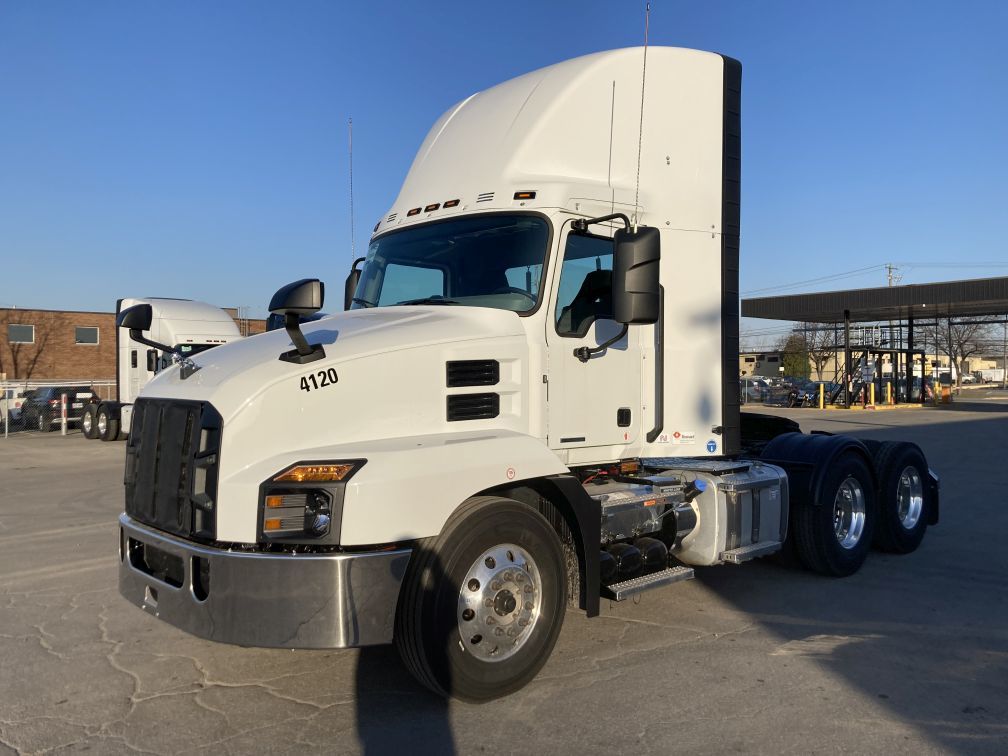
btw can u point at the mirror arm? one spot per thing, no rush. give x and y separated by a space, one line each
137 335
303 351
581 224
584 353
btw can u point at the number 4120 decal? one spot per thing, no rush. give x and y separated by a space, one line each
318 380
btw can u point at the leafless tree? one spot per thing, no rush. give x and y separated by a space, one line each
819 340
959 340
20 360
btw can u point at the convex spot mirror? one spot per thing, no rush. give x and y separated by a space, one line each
636 258
303 297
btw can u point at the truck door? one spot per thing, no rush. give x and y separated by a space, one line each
598 402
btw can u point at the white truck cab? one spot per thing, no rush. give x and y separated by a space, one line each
531 400
181 328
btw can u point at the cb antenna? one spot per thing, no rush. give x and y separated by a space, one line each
640 133
353 251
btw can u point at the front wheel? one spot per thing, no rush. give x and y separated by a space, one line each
482 604
44 422
833 535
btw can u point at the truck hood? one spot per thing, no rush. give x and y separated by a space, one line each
234 374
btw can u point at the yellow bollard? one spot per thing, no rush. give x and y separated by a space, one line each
888 392
822 396
871 395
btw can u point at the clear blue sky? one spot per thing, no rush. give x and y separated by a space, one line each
199 149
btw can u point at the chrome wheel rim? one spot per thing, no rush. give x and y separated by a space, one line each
500 603
849 513
909 497
86 422
102 423
41 422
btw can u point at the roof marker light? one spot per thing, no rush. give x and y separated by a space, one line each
432 207
450 203
414 211
524 195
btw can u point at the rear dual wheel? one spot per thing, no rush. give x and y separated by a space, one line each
903 516
87 423
107 425
833 536
482 604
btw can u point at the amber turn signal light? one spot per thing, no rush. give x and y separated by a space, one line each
312 474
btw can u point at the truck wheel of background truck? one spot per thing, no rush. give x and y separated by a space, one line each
834 534
108 425
902 473
87 422
482 604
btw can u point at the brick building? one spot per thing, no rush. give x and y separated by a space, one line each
53 345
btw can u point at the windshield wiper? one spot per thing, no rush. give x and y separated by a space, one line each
366 303
429 300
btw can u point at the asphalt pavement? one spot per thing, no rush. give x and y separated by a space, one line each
910 655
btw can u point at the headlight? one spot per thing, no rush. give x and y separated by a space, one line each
303 503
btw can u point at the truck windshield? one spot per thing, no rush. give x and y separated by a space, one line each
485 261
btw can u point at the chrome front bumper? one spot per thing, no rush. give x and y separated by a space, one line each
257 599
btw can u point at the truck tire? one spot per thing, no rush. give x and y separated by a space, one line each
833 536
108 425
44 421
902 495
87 421
482 604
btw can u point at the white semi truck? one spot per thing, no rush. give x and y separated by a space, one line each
530 401
179 328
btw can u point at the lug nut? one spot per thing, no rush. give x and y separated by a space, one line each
474 584
468 614
499 631
528 606
490 562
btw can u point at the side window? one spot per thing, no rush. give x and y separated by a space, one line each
585 293
405 282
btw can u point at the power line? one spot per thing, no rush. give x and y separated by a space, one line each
820 279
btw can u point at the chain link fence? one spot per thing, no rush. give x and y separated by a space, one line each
43 407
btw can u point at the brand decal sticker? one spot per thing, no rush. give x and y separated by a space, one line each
683 437
711 446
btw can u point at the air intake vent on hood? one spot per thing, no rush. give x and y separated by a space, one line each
473 407
484 197
473 373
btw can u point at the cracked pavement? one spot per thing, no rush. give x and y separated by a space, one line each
909 655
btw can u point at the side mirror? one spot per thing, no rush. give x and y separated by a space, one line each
636 257
136 318
351 283
304 297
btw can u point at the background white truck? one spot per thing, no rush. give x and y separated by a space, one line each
185 326
532 401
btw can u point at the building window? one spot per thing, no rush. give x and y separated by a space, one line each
750 359
20 334
772 359
86 335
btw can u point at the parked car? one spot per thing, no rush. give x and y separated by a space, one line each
968 378
42 410
11 400
753 390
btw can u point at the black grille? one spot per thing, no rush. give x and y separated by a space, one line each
171 466
473 373
473 406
